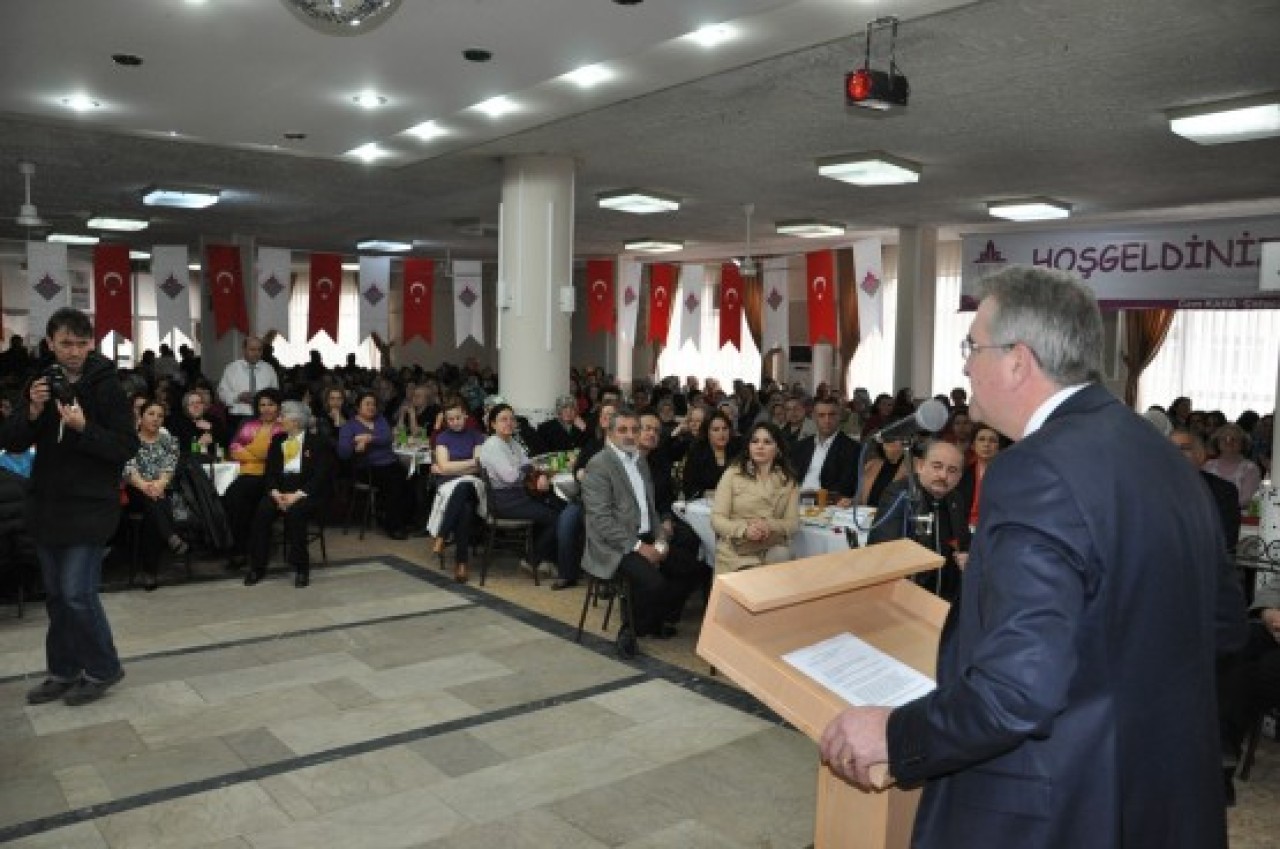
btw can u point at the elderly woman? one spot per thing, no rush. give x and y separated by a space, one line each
755 513
196 432
297 483
147 477
567 431
366 441
249 448
1232 464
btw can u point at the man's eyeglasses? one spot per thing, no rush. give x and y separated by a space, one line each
968 347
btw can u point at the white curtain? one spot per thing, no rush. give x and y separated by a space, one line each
725 364
949 324
1220 359
297 349
872 365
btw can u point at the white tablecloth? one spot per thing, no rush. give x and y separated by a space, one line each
413 458
223 474
820 536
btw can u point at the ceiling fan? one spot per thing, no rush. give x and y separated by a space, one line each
746 263
28 216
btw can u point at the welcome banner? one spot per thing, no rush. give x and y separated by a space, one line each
1191 265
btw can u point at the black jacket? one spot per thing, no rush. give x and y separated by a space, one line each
895 509
75 483
209 520
840 470
317 468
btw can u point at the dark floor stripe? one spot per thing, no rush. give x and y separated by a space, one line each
168 794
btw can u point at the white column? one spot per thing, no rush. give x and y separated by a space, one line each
824 356
535 268
917 295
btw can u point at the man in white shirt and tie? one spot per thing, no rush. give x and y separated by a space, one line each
244 378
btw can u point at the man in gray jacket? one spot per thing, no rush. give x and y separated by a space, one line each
624 530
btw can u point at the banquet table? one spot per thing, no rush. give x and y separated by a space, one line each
413 457
223 474
821 530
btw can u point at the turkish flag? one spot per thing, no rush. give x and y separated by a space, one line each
731 289
112 294
820 269
662 287
222 270
326 287
419 291
600 314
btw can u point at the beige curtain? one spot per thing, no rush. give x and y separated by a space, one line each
1144 333
753 305
845 282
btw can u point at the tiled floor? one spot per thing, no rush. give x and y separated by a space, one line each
386 707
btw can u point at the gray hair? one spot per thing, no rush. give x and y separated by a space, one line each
298 412
620 412
1052 313
566 401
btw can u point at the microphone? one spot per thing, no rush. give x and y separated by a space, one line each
931 416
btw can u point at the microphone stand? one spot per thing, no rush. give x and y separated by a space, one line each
923 520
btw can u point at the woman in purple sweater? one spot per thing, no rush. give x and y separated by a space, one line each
365 441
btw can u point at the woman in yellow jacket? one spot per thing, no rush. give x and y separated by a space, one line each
756 512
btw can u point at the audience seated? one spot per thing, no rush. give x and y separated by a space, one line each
755 513
249 448
147 479
567 431
709 456
366 442
887 464
191 427
828 459
1231 447
798 424
458 499
297 483
987 442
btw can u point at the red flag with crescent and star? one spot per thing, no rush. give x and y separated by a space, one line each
326 289
731 289
112 294
820 270
662 286
600 314
222 270
419 293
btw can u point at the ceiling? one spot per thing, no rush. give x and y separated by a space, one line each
1008 98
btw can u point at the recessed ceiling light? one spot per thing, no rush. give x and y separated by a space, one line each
1029 209
368 152
127 60
72 239
808 228
369 99
295 135
427 130
80 103
386 245
477 54
1242 119
641 202
869 169
712 35
496 107
126 225
654 246
589 76
180 198
139 255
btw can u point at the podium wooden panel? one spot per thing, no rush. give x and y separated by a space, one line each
756 616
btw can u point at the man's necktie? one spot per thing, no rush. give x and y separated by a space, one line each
253 378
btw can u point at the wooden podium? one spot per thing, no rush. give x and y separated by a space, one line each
756 616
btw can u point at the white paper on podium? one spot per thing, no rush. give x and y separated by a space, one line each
859 673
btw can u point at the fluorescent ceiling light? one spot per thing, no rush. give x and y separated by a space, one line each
639 201
72 239
80 103
496 107
869 169
654 246
369 152
713 35
808 228
351 266
385 245
193 266
1244 119
127 225
1029 209
589 76
139 255
369 100
180 198
427 130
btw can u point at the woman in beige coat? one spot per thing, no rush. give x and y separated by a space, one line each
756 513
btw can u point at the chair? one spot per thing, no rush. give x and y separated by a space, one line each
627 644
506 528
362 486
315 531
1251 744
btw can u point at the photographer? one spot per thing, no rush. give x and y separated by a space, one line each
77 417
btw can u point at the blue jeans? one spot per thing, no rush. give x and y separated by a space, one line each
569 528
79 638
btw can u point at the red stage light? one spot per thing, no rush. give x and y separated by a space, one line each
858 85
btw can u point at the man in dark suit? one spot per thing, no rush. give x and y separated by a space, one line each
1075 703
624 530
930 493
1226 498
297 481
828 459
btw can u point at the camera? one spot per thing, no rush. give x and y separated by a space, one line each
59 387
